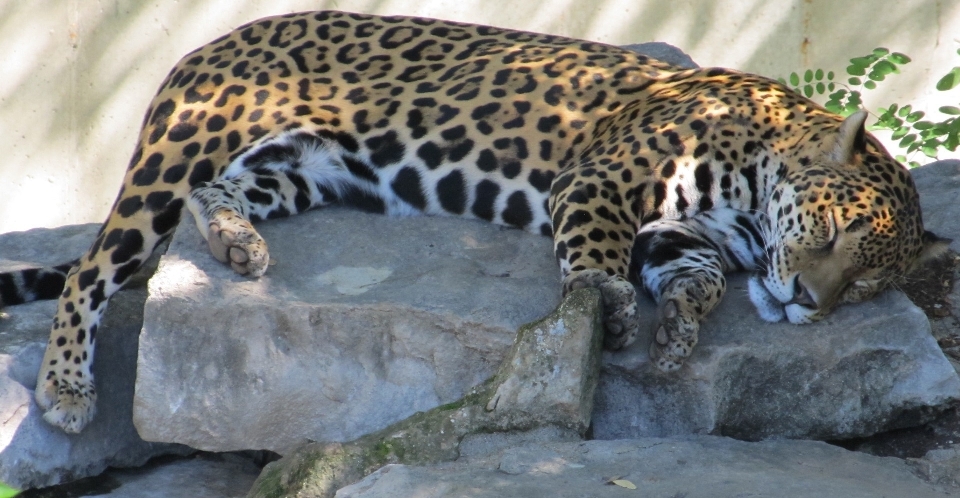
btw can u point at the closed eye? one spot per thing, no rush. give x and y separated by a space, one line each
832 233
855 225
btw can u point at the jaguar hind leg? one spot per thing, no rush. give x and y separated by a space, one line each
281 176
682 265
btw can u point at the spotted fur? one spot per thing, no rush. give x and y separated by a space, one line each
626 161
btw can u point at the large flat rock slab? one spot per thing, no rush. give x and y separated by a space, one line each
364 320
692 467
32 452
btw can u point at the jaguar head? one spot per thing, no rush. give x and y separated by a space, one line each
844 224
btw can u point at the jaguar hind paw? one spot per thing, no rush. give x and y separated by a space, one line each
68 405
234 241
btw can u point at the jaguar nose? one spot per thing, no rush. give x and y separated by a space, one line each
801 296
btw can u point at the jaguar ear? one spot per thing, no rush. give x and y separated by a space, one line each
934 246
851 138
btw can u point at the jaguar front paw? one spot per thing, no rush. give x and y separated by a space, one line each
620 317
234 241
674 338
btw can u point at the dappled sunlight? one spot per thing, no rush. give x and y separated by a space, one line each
78 76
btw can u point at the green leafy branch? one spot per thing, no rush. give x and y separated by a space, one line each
907 126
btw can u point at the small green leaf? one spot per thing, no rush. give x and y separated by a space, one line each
856 70
899 133
951 143
898 58
818 75
907 140
821 88
951 110
880 51
794 79
875 76
863 62
831 86
854 81
870 85
914 116
830 75
782 81
929 151
885 68
808 90
808 76
949 80
904 111
922 125
902 158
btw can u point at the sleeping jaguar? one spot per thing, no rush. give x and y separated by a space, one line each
640 171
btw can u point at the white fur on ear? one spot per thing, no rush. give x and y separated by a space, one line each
851 138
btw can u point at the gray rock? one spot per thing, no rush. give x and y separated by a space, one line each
550 375
311 352
33 453
692 467
544 387
864 369
363 321
939 183
203 475
941 466
664 52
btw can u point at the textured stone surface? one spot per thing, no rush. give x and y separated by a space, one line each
692 467
363 321
939 183
214 476
544 387
550 374
204 475
865 368
33 453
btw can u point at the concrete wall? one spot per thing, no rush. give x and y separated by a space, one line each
76 75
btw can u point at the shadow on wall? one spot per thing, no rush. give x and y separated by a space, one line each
78 75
